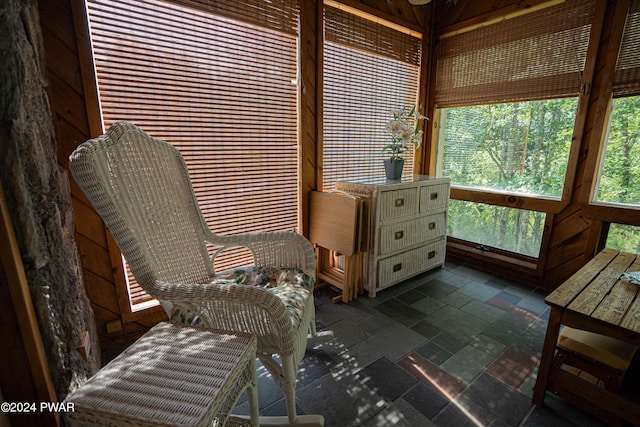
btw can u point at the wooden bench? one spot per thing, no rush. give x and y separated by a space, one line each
600 300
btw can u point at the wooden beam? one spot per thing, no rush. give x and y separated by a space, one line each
600 97
18 288
87 67
373 14
507 199
493 17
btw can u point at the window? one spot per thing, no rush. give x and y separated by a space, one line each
507 95
619 177
518 147
624 237
513 230
370 70
217 80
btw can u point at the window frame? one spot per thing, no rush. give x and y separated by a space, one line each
602 211
550 206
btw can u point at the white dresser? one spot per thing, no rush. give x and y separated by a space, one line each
408 227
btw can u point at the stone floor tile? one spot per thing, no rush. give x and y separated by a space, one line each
479 291
457 322
509 297
482 311
399 414
434 353
437 289
343 402
396 341
426 304
426 329
427 400
450 342
512 367
314 366
462 412
487 344
474 274
400 312
456 299
467 363
410 297
432 375
506 403
386 379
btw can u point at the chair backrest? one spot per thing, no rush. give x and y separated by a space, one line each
141 188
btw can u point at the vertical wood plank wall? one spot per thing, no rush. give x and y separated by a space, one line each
571 236
74 123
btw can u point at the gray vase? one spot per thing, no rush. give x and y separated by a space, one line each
393 168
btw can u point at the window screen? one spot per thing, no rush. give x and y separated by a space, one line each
369 71
217 80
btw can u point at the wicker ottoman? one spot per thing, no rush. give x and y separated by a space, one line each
172 376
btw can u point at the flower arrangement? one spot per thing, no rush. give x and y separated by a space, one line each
403 132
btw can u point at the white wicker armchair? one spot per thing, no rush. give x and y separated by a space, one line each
141 188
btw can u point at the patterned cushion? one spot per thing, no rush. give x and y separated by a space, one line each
294 298
292 285
268 277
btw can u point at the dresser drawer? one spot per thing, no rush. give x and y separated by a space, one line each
404 265
434 197
395 237
398 203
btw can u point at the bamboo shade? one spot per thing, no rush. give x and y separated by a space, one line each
626 81
221 90
539 55
369 71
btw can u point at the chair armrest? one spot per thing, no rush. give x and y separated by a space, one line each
272 249
234 307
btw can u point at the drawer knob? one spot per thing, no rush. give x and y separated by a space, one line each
397 267
399 235
432 254
434 196
432 226
399 202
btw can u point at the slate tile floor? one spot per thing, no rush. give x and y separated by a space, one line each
452 347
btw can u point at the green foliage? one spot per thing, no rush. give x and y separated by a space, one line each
620 175
518 147
521 147
514 230
524 147
624 238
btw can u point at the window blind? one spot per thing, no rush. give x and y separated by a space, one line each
370 70
626 80
209 80
535 56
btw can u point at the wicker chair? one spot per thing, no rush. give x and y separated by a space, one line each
141 188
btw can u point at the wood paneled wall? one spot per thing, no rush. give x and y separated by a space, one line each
75 116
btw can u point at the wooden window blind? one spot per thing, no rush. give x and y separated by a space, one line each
626 81
535 56
370 70
217 80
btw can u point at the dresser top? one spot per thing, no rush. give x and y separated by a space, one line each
381 182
